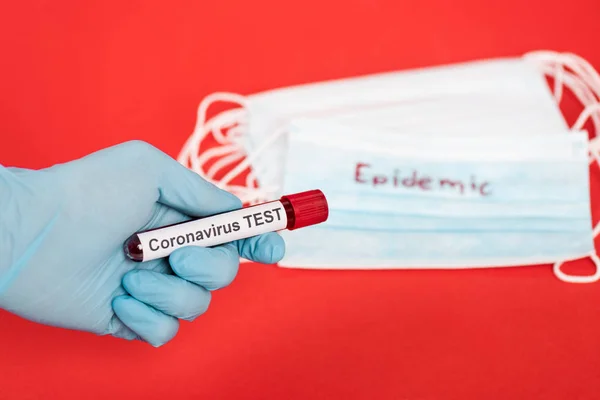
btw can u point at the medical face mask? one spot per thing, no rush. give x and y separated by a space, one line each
486 99
438 201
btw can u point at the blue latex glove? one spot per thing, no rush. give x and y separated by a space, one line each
61 235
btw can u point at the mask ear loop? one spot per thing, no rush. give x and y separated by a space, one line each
576 278
254 155
229 151
190 150
558 83
584 82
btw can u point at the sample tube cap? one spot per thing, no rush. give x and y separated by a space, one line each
310 208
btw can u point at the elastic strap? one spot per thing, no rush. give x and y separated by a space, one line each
573 72
228 129
578 278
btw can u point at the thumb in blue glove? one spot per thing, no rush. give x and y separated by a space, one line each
61 235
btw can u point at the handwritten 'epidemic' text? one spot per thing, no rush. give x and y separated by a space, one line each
364 175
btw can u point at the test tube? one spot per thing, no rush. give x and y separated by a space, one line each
290 212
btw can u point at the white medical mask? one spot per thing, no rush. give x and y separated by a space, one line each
488 98
438 201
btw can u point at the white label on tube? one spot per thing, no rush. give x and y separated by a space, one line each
214 230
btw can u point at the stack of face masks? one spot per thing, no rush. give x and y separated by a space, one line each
469 165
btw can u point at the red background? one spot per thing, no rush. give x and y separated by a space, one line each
78 76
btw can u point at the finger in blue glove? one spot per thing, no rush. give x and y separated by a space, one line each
61 236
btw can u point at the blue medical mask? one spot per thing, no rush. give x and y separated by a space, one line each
534 208
414 201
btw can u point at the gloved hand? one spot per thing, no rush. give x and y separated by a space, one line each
61 235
